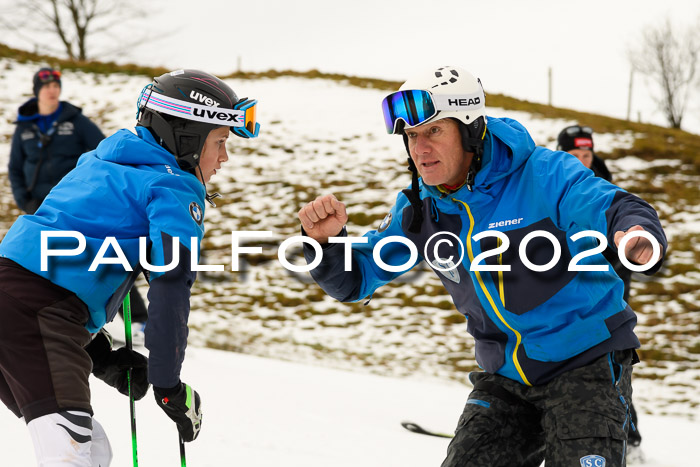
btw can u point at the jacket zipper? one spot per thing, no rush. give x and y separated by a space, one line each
494 307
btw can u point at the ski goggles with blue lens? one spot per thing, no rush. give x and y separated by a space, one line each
413 107
417 106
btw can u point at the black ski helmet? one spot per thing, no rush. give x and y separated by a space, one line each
183 106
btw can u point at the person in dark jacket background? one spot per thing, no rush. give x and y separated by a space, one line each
577 140
50 137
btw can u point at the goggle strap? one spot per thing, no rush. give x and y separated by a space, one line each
474 101
191 111
140 103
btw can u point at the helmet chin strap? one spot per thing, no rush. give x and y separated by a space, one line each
413 195
474 167
209 197
473 141
471 144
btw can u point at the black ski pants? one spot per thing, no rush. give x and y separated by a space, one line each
44 367
580 418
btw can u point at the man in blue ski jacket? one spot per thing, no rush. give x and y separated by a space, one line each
133 205
512 230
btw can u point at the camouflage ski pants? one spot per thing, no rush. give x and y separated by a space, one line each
579 419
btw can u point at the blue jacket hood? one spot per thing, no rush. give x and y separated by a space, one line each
507 146
127 149
520 145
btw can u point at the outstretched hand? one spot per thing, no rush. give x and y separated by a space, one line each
639 249
323 217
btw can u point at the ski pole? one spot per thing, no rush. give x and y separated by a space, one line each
132 405
416 428
183 461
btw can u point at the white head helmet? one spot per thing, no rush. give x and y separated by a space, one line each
446 92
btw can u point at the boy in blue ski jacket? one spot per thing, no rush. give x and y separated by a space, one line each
135 204
50 137
510 228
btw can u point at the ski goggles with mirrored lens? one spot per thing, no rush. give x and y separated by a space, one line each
413 107
417 106
46 76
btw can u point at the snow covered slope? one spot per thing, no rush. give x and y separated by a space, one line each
260 412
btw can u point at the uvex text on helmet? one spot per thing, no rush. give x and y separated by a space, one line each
183 106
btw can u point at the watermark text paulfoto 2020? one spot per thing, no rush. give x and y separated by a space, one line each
451 241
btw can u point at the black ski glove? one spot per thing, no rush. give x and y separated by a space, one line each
182 404
111 366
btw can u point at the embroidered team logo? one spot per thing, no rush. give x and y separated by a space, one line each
196 213
446 268
593 460
65 129
385 223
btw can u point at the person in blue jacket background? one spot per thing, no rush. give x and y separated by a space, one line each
500 221
49 138
135 204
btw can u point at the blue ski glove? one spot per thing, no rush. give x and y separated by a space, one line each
111 366
183 405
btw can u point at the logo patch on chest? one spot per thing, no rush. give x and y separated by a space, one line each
447 268
65 129
196 213
385 223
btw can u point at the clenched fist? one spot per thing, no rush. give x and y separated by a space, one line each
639 249
323 217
